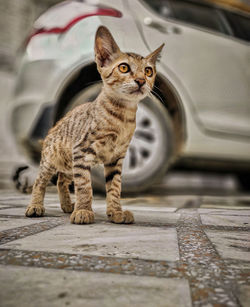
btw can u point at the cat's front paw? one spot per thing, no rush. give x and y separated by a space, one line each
82 217
35 210
120 217
68 208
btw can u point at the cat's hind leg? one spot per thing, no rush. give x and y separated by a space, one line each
36 207
83 213
63 182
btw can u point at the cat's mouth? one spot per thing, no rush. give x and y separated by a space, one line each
137 91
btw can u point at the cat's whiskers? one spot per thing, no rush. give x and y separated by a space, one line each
156 94
93 82
152 93
157 88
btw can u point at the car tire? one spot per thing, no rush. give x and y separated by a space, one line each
151 147
244 181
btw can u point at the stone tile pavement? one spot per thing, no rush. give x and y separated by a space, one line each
183 250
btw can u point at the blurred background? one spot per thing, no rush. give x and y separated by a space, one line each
193 134
17 18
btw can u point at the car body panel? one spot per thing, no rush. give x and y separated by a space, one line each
213 68
217 109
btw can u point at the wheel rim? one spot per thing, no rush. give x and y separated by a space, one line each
145 144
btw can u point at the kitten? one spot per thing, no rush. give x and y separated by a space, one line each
98 132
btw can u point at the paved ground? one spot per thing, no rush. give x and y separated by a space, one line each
183 250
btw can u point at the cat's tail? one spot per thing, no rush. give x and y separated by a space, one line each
23 179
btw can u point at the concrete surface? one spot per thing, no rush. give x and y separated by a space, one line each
183 250
188 248
6 223
233 245
241 220
117 240
86 289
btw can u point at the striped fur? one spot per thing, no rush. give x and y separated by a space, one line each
95 133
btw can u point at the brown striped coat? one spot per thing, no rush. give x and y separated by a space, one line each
96 132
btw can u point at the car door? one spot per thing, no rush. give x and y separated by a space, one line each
211 66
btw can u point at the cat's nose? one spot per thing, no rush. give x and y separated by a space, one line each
140 81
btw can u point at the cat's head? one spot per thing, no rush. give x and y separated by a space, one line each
125 75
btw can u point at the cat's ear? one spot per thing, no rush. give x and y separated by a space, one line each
106 49
155 55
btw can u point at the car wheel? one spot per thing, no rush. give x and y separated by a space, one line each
244 180
150 149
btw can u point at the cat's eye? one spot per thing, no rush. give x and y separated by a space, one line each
124 67
149 71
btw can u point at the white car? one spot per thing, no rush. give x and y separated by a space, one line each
199 111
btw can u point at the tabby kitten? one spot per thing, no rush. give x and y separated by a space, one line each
96 133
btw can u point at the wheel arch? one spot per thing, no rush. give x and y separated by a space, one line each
172 102
78 81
